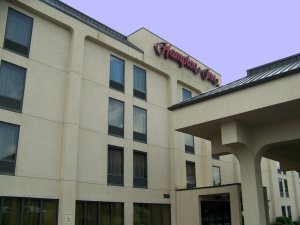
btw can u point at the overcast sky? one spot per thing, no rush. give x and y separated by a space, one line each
229 36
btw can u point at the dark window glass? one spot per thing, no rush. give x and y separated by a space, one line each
286 188
12 81
152 214
139 169
9 135
190 174
289 211
216 157
18 32
283 211
31 212
116 73
139 124
10 212
280 187
49 212
186 94
28 211
139 82
216 176
99 213
116 117
115 166
189 143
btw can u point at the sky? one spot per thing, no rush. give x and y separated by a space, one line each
228 36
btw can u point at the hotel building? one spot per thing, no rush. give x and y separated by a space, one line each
87 137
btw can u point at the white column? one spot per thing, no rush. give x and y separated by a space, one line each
252 189
67 200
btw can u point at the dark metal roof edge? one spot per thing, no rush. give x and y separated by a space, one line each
230 90
200 188
272 63
74 13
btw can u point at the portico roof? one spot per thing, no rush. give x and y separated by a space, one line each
255 76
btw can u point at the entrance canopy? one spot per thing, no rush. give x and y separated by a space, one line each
256 116
264 104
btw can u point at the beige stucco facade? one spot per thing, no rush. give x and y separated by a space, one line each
63 141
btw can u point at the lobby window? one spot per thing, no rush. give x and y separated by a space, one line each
151 214
116 117
216 157
186 94
289 212
139 83
283 211
18 32
189 143
190 174
140 169
9 136
286 188
139 124
116 73
280 187
99 213
216 176
12 82
115 170
28 211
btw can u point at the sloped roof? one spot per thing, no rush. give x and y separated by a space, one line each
255 76
90 22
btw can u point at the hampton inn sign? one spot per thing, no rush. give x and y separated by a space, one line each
166 50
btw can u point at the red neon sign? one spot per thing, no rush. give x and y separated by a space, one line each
166 50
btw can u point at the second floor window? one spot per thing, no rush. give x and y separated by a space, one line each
9 136
286 188
116 117
115 170
139 169
216 176
189 143
18 32
280 187
190 174
139 124
116 73
12 82
139 83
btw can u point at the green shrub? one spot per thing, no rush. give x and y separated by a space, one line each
284 220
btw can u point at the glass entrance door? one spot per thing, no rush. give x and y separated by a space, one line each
215 213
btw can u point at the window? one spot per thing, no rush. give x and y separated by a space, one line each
115 169
151 214
116 73
140 169
216 157
216 176
286 188
116 117
280 187
189 143
18 32
139 124
99 213
283 211
9 136
278 167
190 174
28 211
186 94
139 83
289 212
12 81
